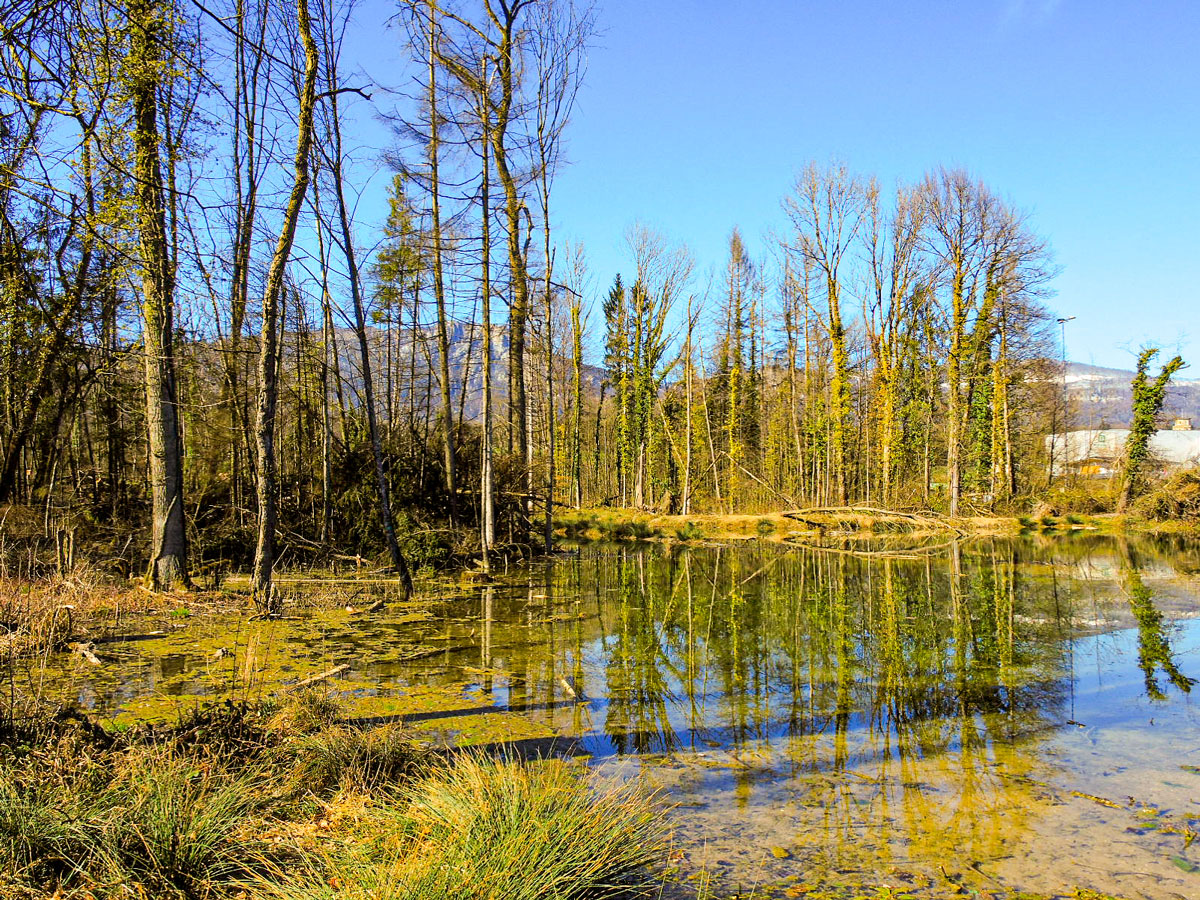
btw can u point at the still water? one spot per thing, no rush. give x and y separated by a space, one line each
973 718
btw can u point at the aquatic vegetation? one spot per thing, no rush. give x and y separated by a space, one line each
819 683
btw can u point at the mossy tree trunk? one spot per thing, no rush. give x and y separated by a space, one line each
147 65
1148 397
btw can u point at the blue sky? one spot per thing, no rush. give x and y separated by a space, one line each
696 116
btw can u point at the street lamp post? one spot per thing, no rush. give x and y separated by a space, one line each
1062 325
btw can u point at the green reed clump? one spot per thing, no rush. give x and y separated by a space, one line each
641 530
485 828
41 837
575 524
689 532
303 713
175 828
144 817
339 757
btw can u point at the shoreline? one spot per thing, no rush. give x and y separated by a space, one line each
620 523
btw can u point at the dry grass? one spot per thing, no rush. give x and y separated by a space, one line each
42 616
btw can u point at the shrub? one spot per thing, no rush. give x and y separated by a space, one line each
689 532
1176 498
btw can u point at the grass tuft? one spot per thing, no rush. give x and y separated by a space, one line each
40 838
343 758
304 712
487 828
173 827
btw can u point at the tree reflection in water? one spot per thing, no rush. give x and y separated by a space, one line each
1154 647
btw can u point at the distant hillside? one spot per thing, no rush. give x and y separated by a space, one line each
466 356
1101 397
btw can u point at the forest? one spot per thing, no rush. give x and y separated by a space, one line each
207 347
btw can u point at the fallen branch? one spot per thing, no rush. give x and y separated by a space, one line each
313 679
87 651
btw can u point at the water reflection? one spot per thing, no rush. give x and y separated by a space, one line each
683 649
1154 646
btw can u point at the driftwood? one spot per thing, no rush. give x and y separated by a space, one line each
313 679
87 651
374 607
930 519
434 651
569 689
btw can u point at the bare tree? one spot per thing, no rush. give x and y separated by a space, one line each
828 208
268 366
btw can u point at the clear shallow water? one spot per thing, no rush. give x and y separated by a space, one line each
990 716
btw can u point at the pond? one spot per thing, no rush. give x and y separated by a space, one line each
982 717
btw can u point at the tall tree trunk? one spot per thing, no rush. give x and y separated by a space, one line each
839 392
439 291
487 450
328 345
686 502
334 162
954 392
577 405
150 29
269 346
506 71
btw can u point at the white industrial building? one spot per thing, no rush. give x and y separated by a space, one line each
1098 452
